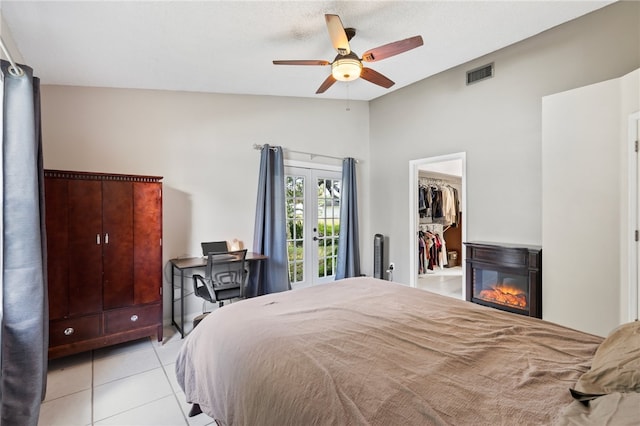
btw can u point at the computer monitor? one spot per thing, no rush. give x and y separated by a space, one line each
214 247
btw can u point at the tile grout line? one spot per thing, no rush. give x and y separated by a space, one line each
126 377
92 385
173 391
133 408
95 358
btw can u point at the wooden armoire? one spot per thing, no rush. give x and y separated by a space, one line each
104 259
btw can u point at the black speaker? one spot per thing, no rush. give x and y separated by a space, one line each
378 256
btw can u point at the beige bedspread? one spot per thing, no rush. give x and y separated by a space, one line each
366 351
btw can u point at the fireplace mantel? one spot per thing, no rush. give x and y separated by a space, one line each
505 276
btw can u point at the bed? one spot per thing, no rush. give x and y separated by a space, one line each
367 351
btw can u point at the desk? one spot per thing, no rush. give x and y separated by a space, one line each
180 265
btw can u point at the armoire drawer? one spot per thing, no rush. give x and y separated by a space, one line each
118 320
65 331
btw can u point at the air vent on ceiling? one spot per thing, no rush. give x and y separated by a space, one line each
480 73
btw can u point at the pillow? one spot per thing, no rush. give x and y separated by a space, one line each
616 364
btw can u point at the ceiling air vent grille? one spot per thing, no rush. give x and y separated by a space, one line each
479 74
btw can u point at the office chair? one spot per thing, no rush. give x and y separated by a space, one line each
214 247
224 279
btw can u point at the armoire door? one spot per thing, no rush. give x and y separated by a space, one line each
147 252
117 251
57 224
84 259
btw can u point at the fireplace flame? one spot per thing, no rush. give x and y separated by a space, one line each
505 295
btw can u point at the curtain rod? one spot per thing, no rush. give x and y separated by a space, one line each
310 154
13 69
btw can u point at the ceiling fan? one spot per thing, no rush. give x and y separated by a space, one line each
346 66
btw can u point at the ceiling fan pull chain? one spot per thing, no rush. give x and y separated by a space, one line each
348 107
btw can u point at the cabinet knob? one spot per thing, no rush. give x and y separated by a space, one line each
68 331
134 318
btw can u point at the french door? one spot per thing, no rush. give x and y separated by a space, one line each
313 224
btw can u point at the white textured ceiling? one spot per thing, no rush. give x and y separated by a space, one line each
228 46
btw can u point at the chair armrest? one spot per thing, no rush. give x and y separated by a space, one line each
196 278
203 289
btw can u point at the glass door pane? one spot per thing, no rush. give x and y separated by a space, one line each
294 195
328 201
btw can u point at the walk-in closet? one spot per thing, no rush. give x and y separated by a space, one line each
439 233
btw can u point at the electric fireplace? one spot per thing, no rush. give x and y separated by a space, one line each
505 276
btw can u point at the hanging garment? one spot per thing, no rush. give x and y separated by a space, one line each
422 201
436 205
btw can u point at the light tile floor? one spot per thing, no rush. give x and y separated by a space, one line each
445 281
131 384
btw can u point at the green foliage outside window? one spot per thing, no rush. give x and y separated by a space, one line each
295 249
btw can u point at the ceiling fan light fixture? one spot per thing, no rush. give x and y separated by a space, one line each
346 69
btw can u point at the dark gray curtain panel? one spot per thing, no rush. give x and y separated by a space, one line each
270 232
348 246
24 308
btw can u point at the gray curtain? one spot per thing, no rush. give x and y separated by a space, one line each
348 248
270 232
24 308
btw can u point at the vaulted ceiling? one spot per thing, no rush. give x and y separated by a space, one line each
229 46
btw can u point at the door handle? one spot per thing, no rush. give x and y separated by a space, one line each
106 238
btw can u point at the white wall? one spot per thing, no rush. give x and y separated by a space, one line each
497 123
9 43
203 146
585 258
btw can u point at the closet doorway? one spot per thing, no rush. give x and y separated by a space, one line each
633 308
436 237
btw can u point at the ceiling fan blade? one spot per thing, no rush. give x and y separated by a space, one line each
338 35
301 62
326 84
391 49
376 78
